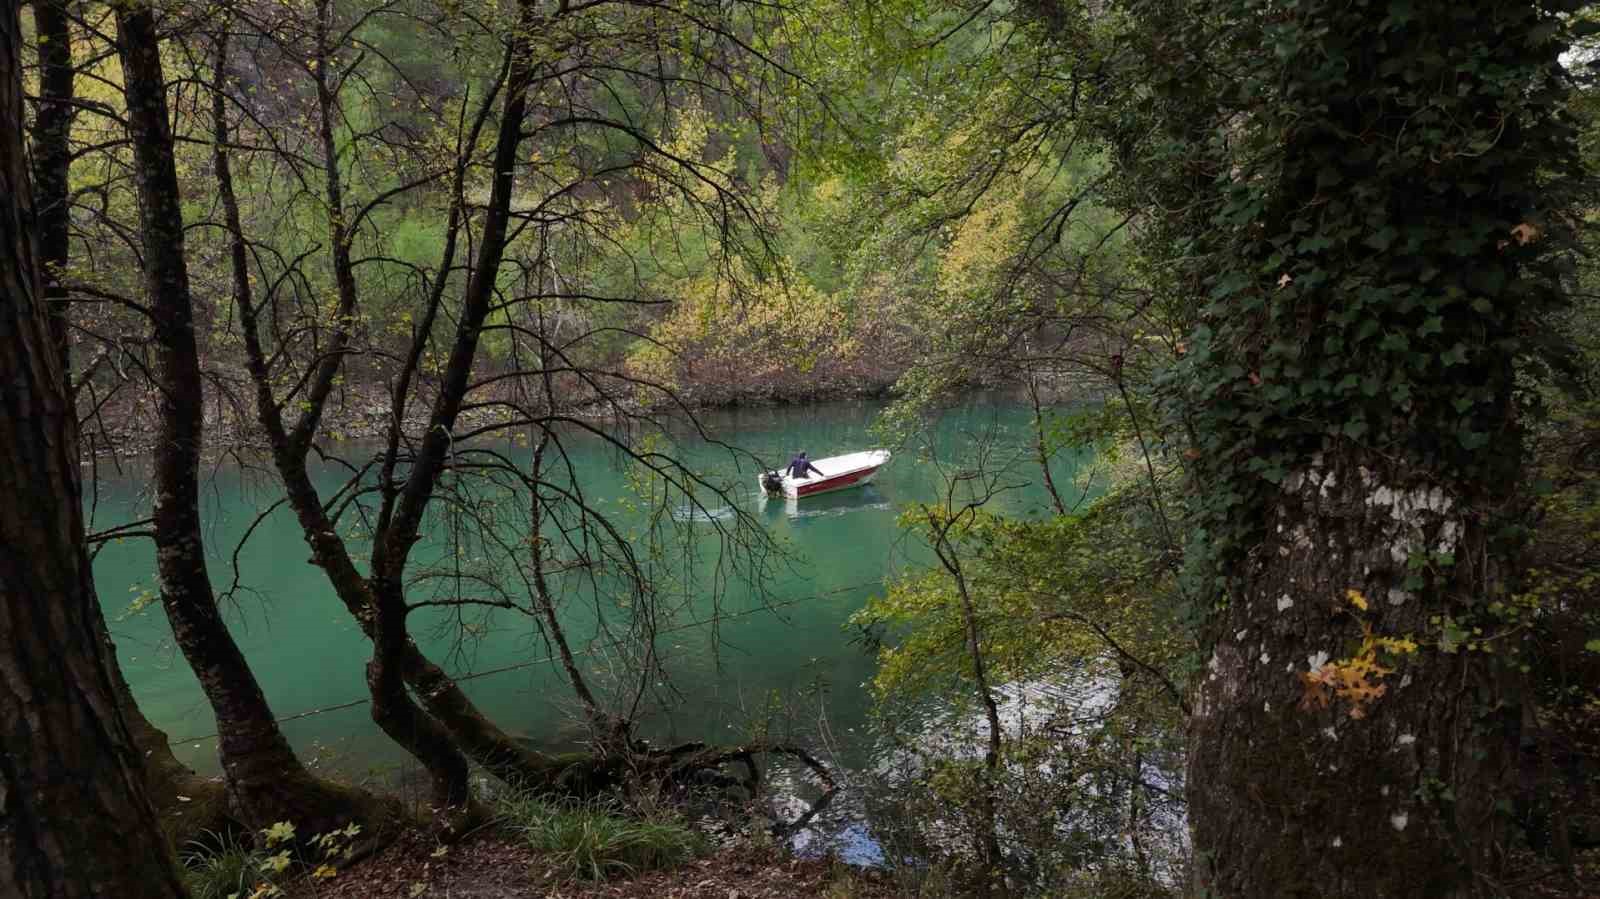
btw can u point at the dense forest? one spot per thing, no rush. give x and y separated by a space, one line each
1292 297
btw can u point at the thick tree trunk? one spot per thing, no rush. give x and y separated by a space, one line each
418 732
187 804
77 820
265 781
1389 796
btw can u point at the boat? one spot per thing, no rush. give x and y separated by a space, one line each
832 473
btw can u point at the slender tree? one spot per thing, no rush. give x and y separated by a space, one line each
52 158
266 782
546 88
77 819
51 147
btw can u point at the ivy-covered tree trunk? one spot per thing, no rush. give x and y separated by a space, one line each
75 817
1379 260
265 781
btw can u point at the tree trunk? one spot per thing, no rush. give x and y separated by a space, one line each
1041 447
77 820
52 163
265 781
399 518
475 734
187 804
408 725
1393 796
202 805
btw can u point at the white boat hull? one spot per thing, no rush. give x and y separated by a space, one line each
837 473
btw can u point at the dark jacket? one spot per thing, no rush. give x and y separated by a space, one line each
799 465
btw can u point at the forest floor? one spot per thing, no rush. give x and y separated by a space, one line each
492 865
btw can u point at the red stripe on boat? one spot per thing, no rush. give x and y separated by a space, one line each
832 483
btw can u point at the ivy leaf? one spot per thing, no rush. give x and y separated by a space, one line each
1381 239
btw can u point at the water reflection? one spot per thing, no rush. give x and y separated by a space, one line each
859 499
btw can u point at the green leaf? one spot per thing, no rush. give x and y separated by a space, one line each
1381 239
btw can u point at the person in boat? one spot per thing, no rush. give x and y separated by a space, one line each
800 465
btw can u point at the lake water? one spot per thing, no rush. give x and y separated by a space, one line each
782 657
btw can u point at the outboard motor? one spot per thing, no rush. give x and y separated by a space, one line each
772 482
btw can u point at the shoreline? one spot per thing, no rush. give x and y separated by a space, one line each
362 413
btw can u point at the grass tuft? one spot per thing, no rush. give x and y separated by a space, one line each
217 865
594 841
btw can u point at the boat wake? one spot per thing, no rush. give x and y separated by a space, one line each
692 513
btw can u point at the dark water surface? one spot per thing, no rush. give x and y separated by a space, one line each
782 655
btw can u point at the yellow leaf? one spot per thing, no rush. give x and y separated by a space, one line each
1526 233
1356 599
278 833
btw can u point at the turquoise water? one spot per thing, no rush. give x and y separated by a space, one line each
731 656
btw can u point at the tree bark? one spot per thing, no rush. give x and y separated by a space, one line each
77 819
187 804
52 163
1293 798
266 782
